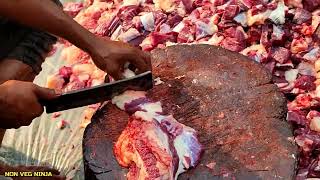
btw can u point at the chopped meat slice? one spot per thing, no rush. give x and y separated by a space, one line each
311 5
280 54
306 83
278 15
301 16
299 45
153 145
257 15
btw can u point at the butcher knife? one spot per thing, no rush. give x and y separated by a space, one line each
97 94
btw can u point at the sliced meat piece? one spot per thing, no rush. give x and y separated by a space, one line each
280 54
301 16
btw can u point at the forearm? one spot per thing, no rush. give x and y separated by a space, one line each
47 16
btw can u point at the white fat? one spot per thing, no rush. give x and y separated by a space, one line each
156 135
169 43
287 65
179 77
98 74
83 77
278 15
83 69
215 40
96 82
166 5
306 69
258 48
127 97
178 28
165 28
129 35
181 9
206 29
128 73
315 22
144 115
158 81
146 42
291 75
277 31
130 2
313 54
152 108
116 33
258 18
147 21
317 65
55 82
181 144
241 18
315 124
318 91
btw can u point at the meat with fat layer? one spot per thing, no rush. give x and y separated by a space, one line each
154 145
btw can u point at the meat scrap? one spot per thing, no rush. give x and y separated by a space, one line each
62 124
154 145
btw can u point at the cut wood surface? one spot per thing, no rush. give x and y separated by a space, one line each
230 100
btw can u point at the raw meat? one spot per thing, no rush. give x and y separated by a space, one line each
154 145
72 8
281 35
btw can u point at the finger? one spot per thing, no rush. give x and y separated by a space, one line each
106 79
118 75
45 93
138 60
139 63
147 59
113 72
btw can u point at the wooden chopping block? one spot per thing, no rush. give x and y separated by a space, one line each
228 98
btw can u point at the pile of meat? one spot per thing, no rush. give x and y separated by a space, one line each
282 35
154 145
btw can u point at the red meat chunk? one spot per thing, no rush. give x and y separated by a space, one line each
280 54
306 83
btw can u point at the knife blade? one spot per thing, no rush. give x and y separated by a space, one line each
97 94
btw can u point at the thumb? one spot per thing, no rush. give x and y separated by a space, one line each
45 93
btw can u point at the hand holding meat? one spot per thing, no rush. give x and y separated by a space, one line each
19 102
111 56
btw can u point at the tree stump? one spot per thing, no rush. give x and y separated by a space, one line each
229 99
